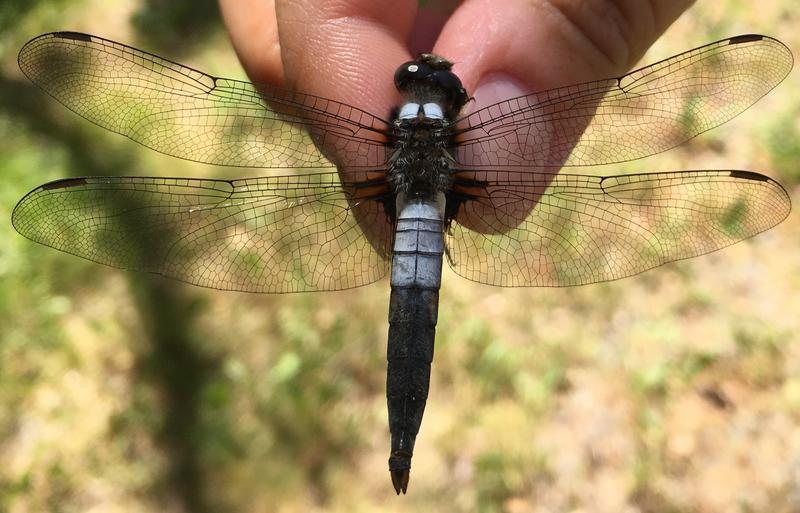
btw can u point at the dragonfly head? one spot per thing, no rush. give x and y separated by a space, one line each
429 79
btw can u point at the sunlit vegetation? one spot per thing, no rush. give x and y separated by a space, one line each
673 391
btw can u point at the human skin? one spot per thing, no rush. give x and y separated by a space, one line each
348 50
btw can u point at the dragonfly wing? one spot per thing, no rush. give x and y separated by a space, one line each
645 112
185 113
527 229
276 234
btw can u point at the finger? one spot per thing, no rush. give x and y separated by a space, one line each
346 50
253 30
533 45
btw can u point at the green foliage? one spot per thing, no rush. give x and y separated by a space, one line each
176 26
783 141
124 392
11 11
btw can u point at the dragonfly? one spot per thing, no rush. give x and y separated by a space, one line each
492 191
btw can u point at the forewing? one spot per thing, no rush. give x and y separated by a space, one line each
645 112
185 113
276 234
579 229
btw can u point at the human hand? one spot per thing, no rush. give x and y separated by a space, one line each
348 50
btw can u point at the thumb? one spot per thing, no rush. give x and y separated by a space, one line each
508 48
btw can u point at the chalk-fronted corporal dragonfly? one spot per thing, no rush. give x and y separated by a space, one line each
397 196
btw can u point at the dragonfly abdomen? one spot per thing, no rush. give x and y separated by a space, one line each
413 311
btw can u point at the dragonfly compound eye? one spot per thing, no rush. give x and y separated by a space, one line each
411 74
450 85
429 78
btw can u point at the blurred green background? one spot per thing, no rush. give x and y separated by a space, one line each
676 390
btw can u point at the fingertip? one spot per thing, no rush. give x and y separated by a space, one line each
486 37
496 87
346 50
544 44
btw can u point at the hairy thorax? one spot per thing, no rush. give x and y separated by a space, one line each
420 165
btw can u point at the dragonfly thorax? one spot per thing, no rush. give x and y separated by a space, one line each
420 165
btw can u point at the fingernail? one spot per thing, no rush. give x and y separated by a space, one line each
496 87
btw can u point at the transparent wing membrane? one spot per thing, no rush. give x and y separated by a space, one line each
277 234
645 112
559 229
185 113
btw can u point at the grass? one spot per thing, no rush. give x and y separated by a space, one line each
672 391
